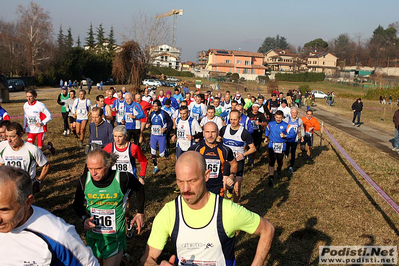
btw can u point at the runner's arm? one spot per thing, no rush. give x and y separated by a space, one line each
79 201
139 155
266 231
109 112
44 172
48 115
128 181
59 100
151 255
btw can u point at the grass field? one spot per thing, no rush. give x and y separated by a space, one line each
326 203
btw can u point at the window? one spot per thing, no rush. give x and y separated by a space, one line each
253 71
167 49
227 61
324 63
166 58
238 62
247 63
245 71
160 49
230 69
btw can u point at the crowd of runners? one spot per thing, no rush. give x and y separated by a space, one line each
214 136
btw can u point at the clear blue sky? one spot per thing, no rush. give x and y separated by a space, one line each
224 24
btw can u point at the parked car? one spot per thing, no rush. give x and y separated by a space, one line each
172 79
152 82
85 81
319 94
172 84
163 83
16 85
109 81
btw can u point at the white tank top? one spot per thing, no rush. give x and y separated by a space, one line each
199 246
234 142
123 164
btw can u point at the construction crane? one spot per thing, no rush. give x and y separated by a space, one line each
174 13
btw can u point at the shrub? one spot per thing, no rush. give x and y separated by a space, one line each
235 77
300 77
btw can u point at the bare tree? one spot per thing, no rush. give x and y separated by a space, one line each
148 31
12 50
35 29
129 65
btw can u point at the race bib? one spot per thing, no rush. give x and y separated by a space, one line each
127 118
33 120
104 221
295 127
181 134
82 111
156 130
15 161
254 125
214 166
121 166
278 147
121 112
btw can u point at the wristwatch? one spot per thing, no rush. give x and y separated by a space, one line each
37 180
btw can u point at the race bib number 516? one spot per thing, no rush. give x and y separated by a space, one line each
104 221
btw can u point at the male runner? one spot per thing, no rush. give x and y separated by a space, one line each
69 106
216 156
131 120
127 154
30 235
296 124
198 216
100 200
100 132
36 117
109 100
197 109
160 123
18 153
236 137
3 113
187 130
146 106
61 100
107 112
310 124
81 110
272 105
118 106
210 117
276 134
3 128
259 122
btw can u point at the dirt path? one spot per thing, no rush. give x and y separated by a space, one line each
379 139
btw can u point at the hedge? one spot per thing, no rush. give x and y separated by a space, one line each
169 72
300 77
374 94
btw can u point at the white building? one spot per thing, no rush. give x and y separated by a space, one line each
165 56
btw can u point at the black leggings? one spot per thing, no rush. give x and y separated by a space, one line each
65 118
135 133
272 159
291 146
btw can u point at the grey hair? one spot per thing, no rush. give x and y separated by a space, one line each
109 159
294 108
21 179
120 128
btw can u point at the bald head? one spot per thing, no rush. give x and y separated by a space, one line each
210 126
193 160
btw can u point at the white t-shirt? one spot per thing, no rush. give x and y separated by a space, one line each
82 108
197 111
36 113
217 120
29 244
26 158
183 129
286 111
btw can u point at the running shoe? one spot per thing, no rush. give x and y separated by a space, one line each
51 148
156 170
291 170
353 124
68 131
270 183
64 133
129 228
395 149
